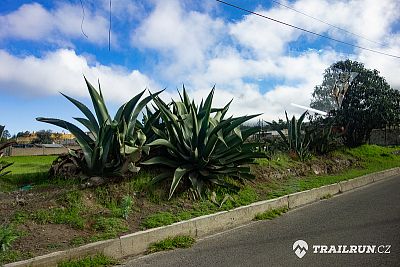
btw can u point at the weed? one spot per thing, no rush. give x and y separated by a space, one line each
141 182
60 216
72 200
53 246
327 196
7 236
12 256
245 196
77 241
171 243
93 261
116 210
102 236
110 227
126 204
159 219
270 214
20 217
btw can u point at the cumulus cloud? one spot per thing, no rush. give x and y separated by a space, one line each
61 71
241 57
249 59
183 37
389 67
124 10
35 23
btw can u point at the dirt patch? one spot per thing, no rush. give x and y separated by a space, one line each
46 238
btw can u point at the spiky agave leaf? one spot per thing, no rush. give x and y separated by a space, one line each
201 145
295 139
113 140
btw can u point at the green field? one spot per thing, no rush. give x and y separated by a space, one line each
25 170
29 164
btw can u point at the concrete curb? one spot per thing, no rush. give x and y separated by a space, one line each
137 243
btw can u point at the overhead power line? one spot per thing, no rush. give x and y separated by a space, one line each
327 23
83 19
305 30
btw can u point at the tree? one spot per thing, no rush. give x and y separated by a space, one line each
369 102
6 135
23 134
43 137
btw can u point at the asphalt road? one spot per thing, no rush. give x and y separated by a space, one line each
366 216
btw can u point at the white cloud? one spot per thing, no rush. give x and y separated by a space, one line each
248 59
236 71
30 21
124 10
184 38
61 71
299 74
369 19
387 66
34 22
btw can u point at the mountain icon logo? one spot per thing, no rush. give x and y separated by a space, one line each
300 247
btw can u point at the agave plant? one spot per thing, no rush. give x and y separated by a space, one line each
201 146
113 146
295 140
151 120
4 165
321 137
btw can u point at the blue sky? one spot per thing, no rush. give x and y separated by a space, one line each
160 44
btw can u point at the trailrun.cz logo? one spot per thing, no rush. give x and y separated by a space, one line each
300 248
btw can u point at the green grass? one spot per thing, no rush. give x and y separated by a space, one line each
278 161
94 261
26 170
108 228
60 216
8 235
371 157
30 164
13 255
270 214
159 219
69 213
77 241
20 217
327 196
171 243
110 225
166 218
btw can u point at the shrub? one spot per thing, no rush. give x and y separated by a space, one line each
322 136
200 145
7 236
295 140
114 145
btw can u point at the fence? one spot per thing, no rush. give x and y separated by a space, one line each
36 151
385 137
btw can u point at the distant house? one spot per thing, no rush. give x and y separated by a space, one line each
27 139
66 139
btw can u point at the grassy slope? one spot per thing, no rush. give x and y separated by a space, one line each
152 208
